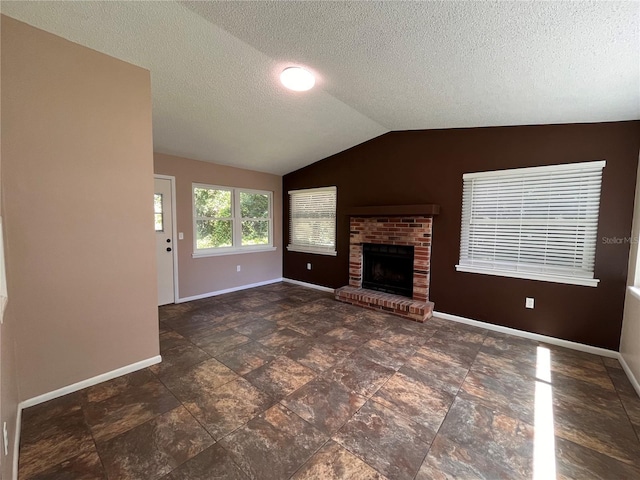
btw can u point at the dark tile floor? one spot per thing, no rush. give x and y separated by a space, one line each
284 382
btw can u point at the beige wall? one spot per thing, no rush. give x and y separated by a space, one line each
199 276
77 181
630 338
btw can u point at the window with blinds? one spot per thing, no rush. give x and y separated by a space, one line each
312 220
537 223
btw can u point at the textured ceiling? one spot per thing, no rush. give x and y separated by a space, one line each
380 66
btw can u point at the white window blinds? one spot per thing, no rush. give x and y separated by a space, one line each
312 224
539 223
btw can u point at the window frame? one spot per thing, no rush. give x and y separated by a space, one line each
236 223
519 269
317 250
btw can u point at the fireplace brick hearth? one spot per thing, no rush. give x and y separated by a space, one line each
412 230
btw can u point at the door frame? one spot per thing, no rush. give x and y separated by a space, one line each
174 233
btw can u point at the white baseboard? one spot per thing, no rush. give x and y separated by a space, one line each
309 285
16 444
630 375
228 290
89 382
603 352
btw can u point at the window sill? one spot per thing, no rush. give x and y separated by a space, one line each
315 251
233 251
586 282
635 291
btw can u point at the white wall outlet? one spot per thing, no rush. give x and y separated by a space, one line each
180 236
528 303
308 266
238 268
5 438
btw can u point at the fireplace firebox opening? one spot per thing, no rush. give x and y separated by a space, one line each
388 268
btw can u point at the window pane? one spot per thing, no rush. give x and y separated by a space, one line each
255 232
213 233
254 205
157 208
212 203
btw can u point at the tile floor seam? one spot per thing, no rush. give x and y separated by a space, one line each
95 443
231 457
215 442
308 459
75 454
129 430
452 402
342 425
370 398
312 426
356 454
624 408
270 405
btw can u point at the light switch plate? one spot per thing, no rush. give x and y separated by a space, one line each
528 303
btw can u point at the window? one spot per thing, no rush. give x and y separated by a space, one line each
230 220
312 223
537 223
157 209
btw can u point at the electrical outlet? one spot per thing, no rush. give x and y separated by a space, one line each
5 438
238 268
528 303
308 266
180 236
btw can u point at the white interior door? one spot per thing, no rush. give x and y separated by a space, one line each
165 249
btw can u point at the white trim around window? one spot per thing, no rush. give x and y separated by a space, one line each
312 220
537 223
236 221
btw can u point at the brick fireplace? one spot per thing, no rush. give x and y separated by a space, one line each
408 225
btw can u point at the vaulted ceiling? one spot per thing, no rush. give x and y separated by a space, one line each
380 66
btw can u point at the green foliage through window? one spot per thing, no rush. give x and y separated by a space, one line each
222 215
214 233
157 208
212 203
214 226
254 208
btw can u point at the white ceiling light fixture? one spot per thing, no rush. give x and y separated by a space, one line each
297 79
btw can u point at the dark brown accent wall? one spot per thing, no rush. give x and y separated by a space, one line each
426 167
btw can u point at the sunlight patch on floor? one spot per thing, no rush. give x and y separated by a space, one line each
544 455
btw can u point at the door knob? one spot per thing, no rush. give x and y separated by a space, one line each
168 249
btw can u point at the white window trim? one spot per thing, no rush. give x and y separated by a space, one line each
635 291
586 282
329 251
234 251
236 224
565 279
316 250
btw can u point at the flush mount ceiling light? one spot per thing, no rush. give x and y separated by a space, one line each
297 78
